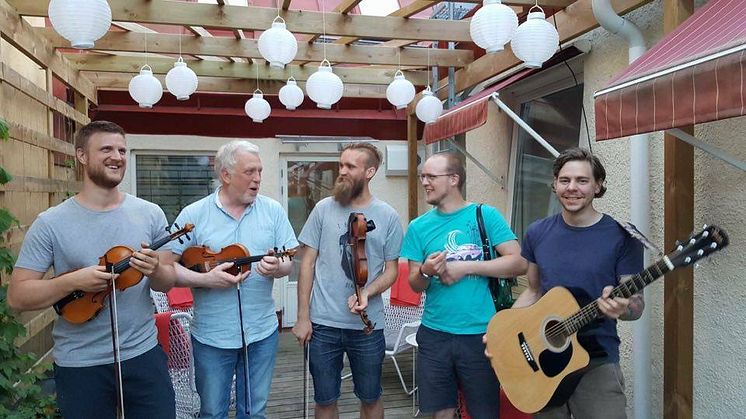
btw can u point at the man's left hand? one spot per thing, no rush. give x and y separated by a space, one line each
145 260
612 307
268 266
453 273
356 306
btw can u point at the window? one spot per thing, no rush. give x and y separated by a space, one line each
173 182
556 114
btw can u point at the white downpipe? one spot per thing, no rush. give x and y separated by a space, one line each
640 207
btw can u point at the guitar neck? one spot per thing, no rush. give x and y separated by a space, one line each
626 289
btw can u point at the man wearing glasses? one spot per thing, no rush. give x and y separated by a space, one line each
444 249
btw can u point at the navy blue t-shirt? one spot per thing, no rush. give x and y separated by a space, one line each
584 260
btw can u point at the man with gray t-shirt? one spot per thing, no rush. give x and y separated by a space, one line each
70 238
329 319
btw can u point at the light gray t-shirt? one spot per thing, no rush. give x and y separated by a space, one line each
326 231
68 237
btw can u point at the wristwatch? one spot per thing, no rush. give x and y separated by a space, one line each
424 275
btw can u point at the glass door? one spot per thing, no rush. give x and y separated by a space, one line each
306 180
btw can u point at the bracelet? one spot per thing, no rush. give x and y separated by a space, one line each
424 275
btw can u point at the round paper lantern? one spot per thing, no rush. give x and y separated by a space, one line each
536 40
257 107
400 91
81 22
145 89
429 107
291 95
324 87
181 81
277 45
493 25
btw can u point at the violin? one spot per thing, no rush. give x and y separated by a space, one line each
80 306
357 228
202 259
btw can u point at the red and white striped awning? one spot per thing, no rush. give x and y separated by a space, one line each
467 115
695 74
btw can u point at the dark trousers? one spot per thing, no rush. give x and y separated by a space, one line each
90 392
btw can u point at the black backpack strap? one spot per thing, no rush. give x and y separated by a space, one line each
486 250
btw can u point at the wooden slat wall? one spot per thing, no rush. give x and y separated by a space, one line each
27 104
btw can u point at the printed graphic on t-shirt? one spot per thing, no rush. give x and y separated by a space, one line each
461 252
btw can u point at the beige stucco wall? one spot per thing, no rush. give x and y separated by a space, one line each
720 198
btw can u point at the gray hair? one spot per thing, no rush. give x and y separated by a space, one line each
226 156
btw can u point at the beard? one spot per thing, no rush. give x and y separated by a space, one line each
97 175
346 189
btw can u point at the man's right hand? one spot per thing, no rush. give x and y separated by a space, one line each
91 279
219 278
435 264
303 331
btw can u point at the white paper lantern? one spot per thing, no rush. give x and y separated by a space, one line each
493 26
81 22
181 81
324 87
400 91
429 108
145 89
291 95
277 45
536 40
257 107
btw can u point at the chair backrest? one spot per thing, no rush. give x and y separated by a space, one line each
398 318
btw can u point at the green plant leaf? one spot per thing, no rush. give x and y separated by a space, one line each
4 130
5 177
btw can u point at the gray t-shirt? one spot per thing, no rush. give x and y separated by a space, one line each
70 236
326 231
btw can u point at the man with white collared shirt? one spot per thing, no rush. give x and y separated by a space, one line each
235 213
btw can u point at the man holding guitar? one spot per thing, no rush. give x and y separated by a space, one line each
70 238
586 252
330 314
235 328
446 261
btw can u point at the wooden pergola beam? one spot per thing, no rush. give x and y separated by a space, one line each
678 288
120 81
259 18
229 47
572 22
22 36
357 75
286 4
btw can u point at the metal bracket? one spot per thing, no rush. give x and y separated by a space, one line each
722 155
496 98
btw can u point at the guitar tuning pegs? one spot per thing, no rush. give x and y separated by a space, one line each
692 241
704 226
700 252
687 260
713 245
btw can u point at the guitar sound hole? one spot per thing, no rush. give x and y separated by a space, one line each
554 336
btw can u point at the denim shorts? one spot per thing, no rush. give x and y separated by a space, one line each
447 362
365 353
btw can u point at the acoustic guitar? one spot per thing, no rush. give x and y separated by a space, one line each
535 348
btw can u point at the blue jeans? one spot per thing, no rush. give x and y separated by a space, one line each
326 352
90 392
213 374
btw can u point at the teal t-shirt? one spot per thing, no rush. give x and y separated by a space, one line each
465 307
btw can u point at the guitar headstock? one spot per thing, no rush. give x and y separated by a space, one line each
697 246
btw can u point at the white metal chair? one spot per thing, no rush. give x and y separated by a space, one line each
401 321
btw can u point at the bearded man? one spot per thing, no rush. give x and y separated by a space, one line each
328 308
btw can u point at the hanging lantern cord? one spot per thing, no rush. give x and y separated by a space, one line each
429 69
323 26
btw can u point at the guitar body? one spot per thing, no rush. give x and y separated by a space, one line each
530 362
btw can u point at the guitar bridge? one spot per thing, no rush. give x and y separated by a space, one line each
527 352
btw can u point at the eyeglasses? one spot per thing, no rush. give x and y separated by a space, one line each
431 178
